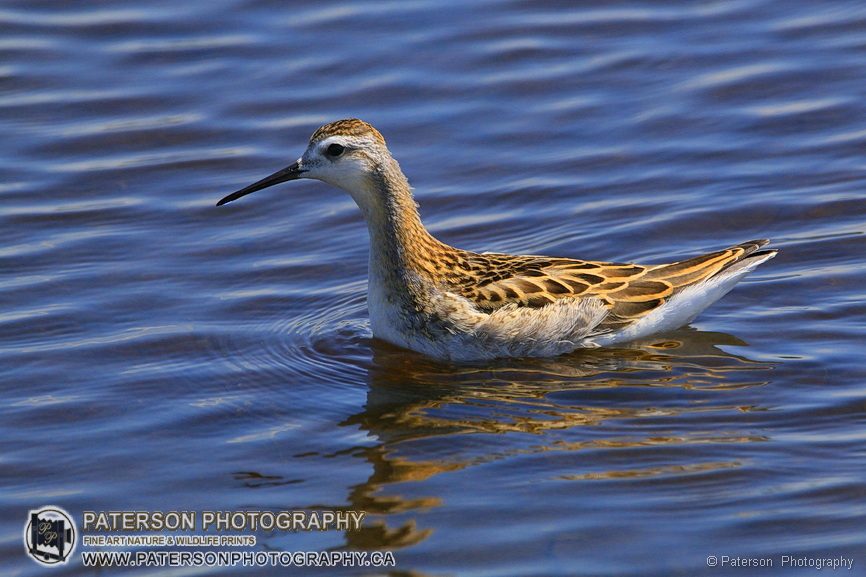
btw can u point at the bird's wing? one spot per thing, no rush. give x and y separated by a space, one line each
629 291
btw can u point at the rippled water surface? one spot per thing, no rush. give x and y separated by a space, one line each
159 353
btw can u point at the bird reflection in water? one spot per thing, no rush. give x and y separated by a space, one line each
612 411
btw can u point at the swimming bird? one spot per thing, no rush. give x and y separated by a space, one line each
459 305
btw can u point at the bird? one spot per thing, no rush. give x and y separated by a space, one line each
458 305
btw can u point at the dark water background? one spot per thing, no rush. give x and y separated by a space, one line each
159 353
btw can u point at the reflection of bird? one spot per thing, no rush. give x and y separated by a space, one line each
455 304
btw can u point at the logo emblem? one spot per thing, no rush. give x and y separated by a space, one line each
50 535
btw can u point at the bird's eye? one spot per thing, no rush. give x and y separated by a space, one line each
335 150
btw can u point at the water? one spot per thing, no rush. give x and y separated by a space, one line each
159 353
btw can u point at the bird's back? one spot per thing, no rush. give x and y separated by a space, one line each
630 292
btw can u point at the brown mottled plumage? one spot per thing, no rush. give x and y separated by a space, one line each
456 304
629 290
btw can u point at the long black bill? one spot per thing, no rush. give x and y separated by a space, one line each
292 172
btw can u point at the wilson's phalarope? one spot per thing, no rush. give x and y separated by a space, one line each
455 304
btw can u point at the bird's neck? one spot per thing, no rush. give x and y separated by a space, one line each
398 240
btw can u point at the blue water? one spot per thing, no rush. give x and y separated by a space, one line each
159 353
